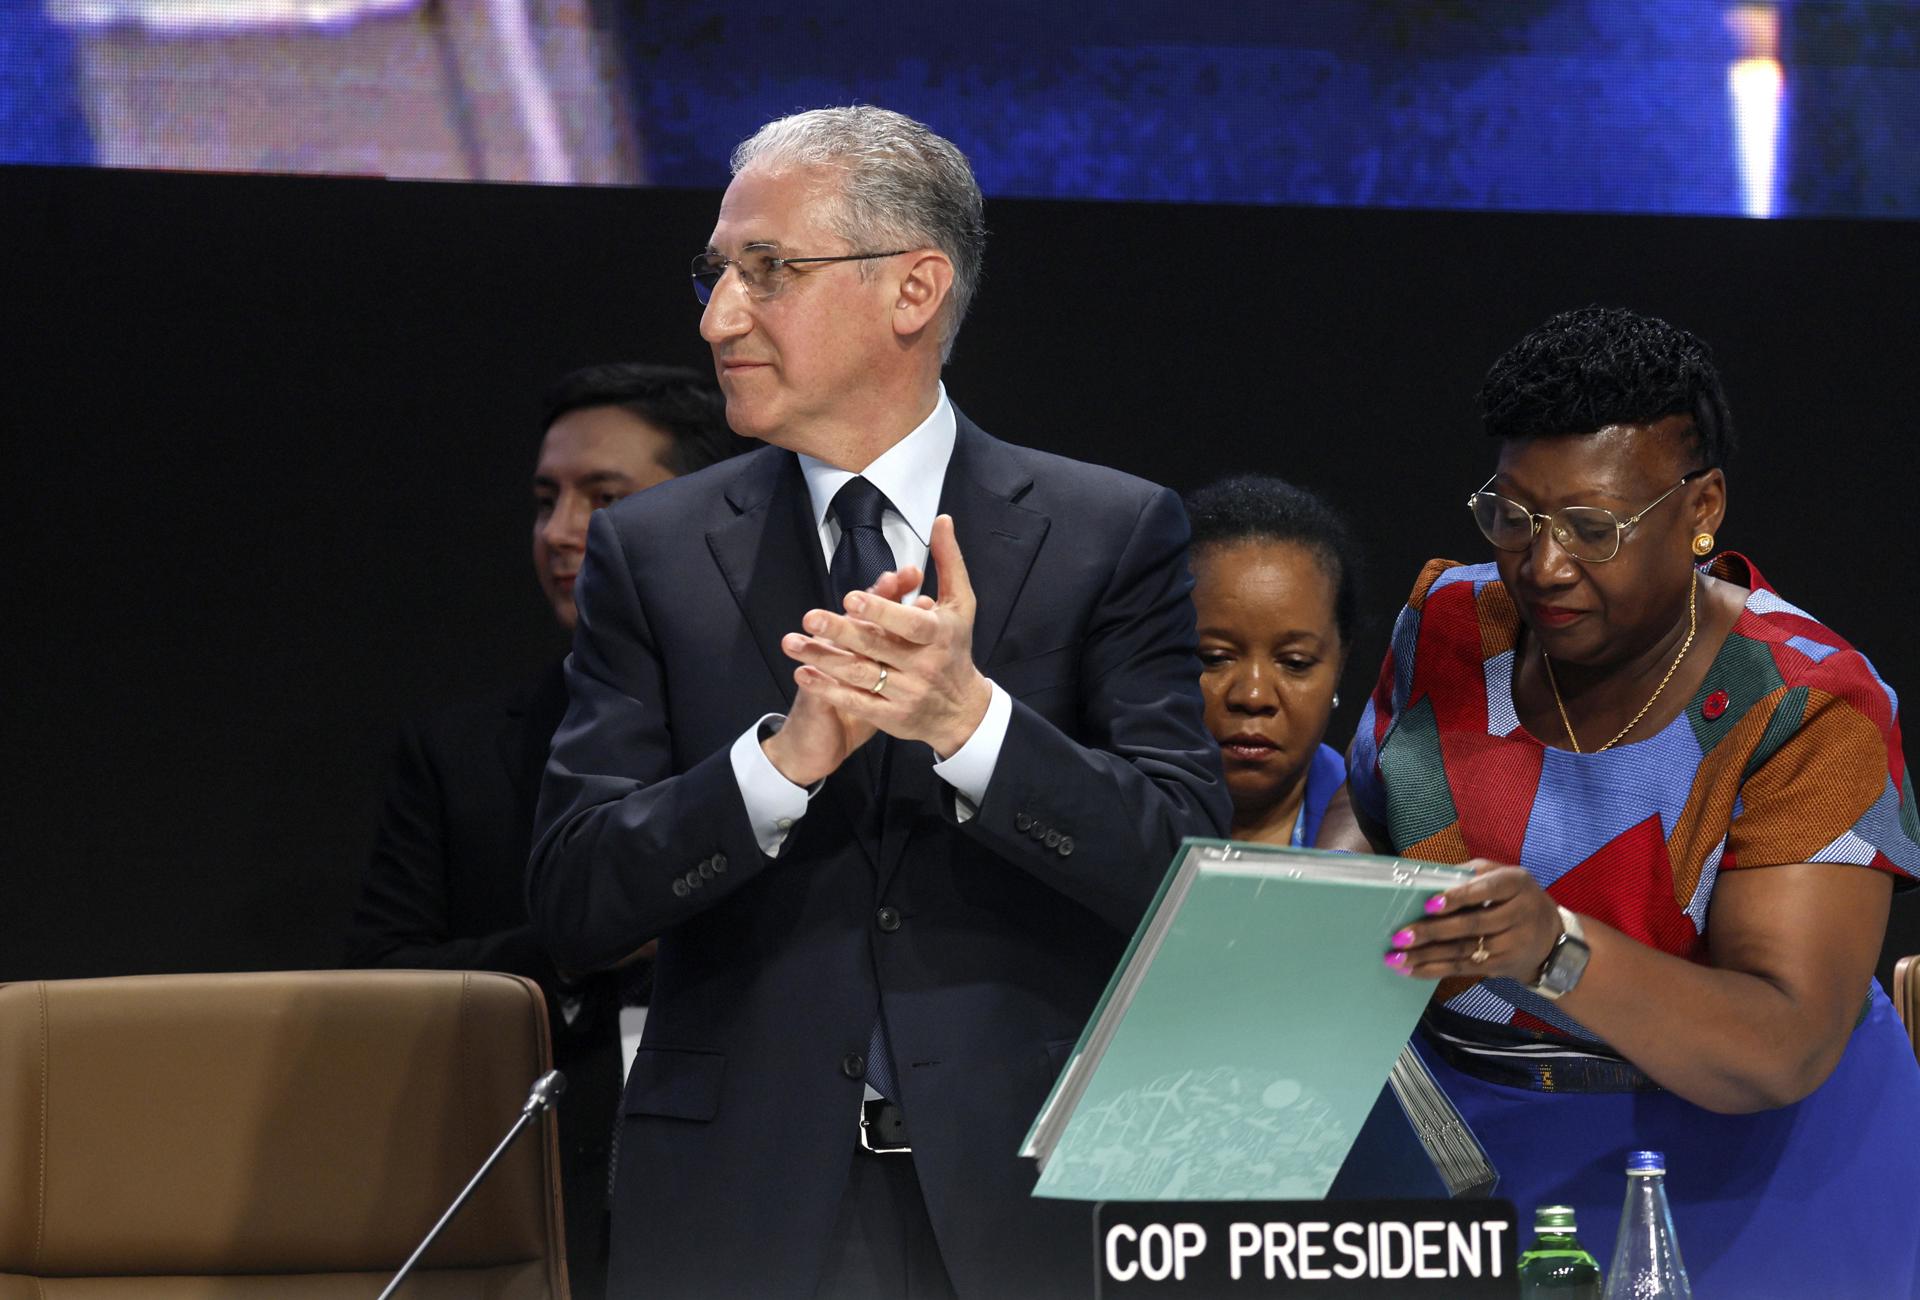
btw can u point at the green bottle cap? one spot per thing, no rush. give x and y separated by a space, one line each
1553 1218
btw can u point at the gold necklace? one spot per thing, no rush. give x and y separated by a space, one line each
1692 624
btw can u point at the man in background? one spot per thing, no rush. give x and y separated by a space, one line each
893 855
445 886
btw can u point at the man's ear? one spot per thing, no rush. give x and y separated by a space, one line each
923 290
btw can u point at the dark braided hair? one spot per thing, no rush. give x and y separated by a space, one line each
1257 508
1595 366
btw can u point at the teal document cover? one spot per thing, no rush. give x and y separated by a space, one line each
1246 1034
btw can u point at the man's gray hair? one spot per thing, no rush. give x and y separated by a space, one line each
903 187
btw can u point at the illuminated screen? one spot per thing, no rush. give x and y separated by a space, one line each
1802 107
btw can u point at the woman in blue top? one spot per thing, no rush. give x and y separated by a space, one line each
1275 595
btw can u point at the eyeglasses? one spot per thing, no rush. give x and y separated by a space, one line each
1587 533
764 274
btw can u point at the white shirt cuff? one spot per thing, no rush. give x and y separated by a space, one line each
970 769
773 803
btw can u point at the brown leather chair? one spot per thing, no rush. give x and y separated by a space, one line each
294 1135
1906 997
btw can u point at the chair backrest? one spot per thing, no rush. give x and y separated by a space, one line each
1906 997
283 1134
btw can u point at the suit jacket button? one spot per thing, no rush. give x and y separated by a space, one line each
1066 846
680 889
888 919
1053 839
1022 823
706 869
719 863
853 1065
1038 830
693 880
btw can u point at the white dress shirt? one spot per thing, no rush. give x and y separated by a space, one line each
910 473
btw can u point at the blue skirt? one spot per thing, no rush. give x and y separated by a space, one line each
1817 1199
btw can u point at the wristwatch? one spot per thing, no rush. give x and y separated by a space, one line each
1566 961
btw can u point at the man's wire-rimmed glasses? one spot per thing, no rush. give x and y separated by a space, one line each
761 270
1590 534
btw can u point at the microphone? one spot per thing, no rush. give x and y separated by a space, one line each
545 1091
540 1098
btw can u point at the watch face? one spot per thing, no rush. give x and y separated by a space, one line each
1565 966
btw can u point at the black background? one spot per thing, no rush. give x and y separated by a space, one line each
268 442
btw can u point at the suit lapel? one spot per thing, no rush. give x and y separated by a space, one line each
769 553
999 537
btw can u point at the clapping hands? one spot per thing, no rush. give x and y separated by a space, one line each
905 669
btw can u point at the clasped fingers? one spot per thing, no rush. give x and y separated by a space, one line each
856 636
913 624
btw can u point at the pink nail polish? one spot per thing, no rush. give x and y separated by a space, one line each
1395 960
1438 903
1404 939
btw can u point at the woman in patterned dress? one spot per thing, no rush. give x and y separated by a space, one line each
1687 807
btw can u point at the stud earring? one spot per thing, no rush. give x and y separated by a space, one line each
1702 543
1336 699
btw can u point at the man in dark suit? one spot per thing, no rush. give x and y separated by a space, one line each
445 887
892 854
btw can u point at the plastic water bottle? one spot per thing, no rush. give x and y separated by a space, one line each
1558 1267
1646 1257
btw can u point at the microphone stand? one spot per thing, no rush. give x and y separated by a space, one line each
539 1098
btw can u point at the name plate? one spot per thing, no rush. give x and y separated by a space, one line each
1343 1250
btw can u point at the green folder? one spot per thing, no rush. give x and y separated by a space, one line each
1246 1034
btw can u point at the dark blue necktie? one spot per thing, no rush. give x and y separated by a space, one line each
859 559
862 554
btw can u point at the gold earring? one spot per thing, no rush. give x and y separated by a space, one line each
1702 543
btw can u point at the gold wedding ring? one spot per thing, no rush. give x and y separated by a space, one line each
1479 953
879 686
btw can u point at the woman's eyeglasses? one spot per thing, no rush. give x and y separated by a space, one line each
1590 534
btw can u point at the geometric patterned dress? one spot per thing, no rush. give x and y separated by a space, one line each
1788 752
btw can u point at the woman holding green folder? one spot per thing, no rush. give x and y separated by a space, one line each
1688 807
